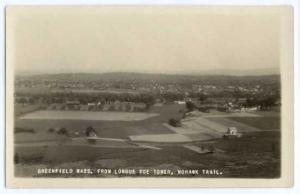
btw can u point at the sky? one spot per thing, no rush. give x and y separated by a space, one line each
180 40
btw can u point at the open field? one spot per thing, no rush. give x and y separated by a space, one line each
20 109
262 123
229 122
234 114
167 138
86 115
200 127
39 136
109 129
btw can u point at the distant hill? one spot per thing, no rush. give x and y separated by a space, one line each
161 78
224 72
249 72
130 75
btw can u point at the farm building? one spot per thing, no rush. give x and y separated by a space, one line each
179 102
232 132
93 106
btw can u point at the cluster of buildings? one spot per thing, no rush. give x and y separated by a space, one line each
220 104
133 94
135 86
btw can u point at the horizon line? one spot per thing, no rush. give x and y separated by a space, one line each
149 73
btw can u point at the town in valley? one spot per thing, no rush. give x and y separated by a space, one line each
217 125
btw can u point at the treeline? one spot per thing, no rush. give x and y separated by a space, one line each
84 98
265 102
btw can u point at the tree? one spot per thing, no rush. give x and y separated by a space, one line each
89 131
202 97
267 102
62 131
51 130
190 106
175 122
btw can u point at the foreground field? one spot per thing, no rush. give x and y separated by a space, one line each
255 154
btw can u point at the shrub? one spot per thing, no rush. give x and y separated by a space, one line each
62 131
90 130
175 122
190 106
51 130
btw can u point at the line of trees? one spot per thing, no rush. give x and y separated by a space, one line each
265 102
84 98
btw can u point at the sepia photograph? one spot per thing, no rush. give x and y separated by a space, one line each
180 94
